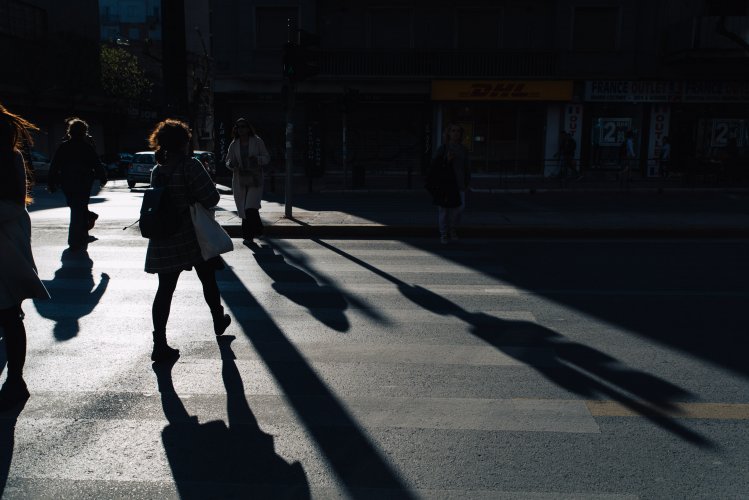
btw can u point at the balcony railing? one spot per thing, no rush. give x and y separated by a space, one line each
427 64
399 63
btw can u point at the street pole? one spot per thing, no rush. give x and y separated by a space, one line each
291 35
288 155
343 148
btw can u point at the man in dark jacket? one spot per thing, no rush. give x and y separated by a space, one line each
74 167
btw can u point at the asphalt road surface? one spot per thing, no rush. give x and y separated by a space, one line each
531 368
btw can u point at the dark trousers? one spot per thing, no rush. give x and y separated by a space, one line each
162 303
252 226
11 320
77 199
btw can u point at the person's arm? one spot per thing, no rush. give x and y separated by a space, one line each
231 161
263 157
200 185
19 179
53 177
467 169
97 168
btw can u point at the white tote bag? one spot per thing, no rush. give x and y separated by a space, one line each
212 238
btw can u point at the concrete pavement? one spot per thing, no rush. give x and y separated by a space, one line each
502 214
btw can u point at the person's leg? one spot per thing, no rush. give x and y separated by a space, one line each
442 222
77 234
246 232
255 225
162 304
15 341
207 276
14 390
77 200
456 214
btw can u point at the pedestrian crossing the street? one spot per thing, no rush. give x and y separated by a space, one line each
351 369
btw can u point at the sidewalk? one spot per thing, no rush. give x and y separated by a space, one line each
375 214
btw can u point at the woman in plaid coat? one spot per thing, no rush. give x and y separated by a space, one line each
186 181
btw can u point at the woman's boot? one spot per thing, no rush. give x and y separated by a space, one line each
161 351
221 321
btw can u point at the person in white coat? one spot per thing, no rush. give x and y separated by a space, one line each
246 158
18 276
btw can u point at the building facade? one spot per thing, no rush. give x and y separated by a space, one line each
515 74
51 64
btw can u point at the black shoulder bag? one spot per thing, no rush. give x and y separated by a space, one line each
159 218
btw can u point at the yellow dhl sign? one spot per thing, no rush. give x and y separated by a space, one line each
501 90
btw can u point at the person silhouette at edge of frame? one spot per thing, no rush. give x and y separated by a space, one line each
74 167
18 275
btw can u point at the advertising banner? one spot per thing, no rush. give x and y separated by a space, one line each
501 90
636 91
725 130
660 117
573 125
612 131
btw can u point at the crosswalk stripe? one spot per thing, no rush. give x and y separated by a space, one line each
516 415
716 411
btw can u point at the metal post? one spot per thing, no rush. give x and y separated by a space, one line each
343 150
289 153
291 35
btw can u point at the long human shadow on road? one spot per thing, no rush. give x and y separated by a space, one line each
575 367
325 303
72 286
353 458
302 285
8 422
213 460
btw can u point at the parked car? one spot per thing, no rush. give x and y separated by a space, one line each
208 160
140 168
40 166
119 165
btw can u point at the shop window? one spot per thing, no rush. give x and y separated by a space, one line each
478 28
595 28
271 26
391 28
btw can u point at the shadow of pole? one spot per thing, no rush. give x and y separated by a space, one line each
352 456
570 366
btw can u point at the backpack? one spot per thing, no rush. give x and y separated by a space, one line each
159 218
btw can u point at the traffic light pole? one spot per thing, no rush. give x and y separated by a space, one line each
289 150
344 149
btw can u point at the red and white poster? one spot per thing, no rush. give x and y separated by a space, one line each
660 117
573 125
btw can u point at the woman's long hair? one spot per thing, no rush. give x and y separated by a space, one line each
169 139
15 131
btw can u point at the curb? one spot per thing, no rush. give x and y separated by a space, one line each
379 231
